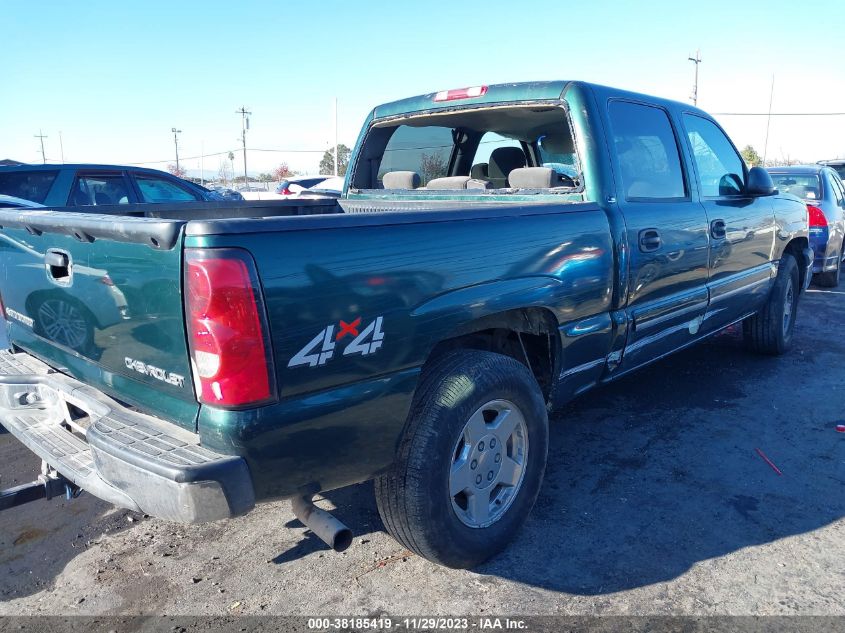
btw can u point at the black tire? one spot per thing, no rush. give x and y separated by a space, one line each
768 331
414 498
830 279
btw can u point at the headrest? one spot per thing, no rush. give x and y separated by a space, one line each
503 160
532 178
478 171
452 182
558 144
401 180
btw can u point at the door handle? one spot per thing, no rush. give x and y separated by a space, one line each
718 230
56 259
649 240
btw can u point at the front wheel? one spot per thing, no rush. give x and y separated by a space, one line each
770 331
471 459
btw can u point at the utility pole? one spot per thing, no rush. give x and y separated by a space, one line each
41 136
769 121
176 145
696 60
61 147
244 127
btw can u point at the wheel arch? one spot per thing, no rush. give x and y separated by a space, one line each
529 335
798 247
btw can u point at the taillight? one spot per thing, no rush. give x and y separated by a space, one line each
817 217
227 328
285 191
461 93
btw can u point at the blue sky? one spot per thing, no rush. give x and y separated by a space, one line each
115 77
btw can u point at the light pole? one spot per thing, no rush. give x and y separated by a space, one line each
244 127
696 60
176 145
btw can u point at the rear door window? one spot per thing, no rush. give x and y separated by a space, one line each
647 152
99 188
155 189
721 170
29 185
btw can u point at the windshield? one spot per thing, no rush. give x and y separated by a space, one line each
805 186
472 149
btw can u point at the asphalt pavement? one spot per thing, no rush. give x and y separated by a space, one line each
708 483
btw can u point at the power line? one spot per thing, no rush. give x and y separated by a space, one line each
226 153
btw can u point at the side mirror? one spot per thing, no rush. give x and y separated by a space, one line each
759 182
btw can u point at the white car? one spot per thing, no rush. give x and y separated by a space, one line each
329 187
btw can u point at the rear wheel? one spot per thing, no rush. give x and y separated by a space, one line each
770 330
471 459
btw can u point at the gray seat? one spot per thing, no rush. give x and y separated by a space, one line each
449 182
533 178
401 180
457 182
503 160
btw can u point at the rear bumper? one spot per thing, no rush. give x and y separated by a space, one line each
124 457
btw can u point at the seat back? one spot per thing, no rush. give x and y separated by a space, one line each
503 160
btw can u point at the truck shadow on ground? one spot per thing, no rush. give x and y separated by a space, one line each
649 476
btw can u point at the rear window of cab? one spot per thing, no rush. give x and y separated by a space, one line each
29 185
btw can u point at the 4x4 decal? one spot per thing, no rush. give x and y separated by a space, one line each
321 348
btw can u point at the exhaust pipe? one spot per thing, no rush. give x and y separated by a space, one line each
334 533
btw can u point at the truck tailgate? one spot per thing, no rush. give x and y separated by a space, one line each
99 297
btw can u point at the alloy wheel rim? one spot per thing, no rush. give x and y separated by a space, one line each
488 464
787 308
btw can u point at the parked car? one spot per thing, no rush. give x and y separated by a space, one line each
12 201
70 185
329 187
837 164
820 187
414 331
225 193
297 183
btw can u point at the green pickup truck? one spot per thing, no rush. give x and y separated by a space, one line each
496 251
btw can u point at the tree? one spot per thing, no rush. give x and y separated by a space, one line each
281 172
327 163
432 166
265 177
179 171
223 172
750 156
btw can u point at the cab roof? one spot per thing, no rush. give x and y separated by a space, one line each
517 92
75 167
